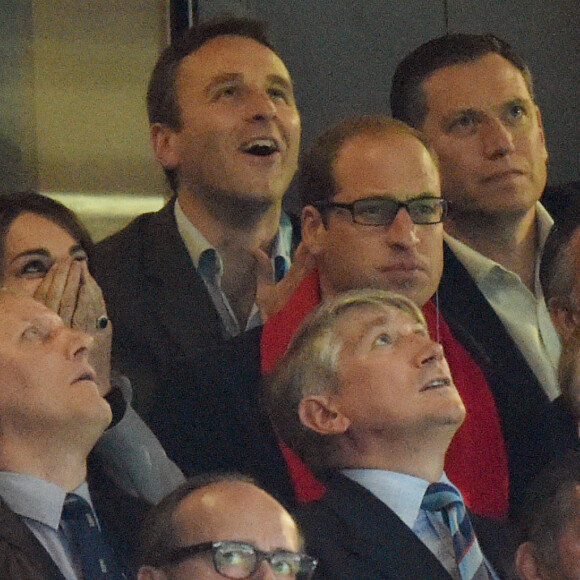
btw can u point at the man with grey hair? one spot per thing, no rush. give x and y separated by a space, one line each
366 399
60 517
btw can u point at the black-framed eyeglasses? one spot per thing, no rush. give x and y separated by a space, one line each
382 211
238 560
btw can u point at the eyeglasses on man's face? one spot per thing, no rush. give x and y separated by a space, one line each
238 560
382 211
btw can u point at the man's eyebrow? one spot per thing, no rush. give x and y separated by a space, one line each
367 327
222 78
280 80
46 320
470 111
517 101
236 77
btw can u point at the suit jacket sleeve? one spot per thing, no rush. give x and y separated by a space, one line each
22 556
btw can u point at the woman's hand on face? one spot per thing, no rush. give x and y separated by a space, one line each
69 290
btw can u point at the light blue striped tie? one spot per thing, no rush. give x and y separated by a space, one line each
443 498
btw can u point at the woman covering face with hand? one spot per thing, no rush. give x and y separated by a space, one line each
44 253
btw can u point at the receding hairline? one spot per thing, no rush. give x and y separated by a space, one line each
223 487
386 133
281 78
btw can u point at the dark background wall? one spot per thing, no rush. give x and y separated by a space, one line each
342 54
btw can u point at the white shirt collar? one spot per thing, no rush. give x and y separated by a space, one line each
401 492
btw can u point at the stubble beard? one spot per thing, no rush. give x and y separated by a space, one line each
237 211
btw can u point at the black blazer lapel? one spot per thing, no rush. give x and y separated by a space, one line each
21 554
519 397
368 535
177 295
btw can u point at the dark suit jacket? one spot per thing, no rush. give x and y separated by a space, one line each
22 556
561 200
354 535
199 392
531 431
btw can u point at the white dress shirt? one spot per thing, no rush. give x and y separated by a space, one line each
523 313
404 494
209 266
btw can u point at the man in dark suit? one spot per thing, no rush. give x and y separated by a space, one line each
472 95
366 399
188 287
51 416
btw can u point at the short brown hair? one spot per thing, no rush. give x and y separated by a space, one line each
549 505
408 101
557 271
162 102
310 367
316 181
15 204
567 372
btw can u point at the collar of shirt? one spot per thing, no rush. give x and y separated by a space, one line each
401 492
197 246
36 499
209 266
480 268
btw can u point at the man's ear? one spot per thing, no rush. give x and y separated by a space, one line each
165 145
565 319
526 563
318 413
313 230
150 573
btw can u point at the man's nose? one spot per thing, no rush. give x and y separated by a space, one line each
429 352
498 140
259 105
265 572
402 231
78 343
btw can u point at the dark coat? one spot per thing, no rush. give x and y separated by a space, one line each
198 391
355 535
22 556
532 433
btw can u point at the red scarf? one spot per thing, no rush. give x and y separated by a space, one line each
476 461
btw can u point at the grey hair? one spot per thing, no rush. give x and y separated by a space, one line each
310 367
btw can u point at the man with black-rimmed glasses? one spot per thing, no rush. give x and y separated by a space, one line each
221 526
372 218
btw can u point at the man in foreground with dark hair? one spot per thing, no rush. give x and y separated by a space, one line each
186 286
366 399
221 526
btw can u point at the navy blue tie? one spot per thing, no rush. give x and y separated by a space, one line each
443 498
96 557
